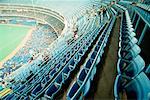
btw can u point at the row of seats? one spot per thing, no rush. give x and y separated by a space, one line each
68 67
144 6
131 77
141 5
145 15
81 85
55 86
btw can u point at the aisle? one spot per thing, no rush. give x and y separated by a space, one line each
102 87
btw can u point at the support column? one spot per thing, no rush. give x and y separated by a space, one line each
143 34
137 23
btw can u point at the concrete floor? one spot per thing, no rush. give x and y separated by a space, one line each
102 86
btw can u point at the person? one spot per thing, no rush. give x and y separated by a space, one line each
75 33
3 84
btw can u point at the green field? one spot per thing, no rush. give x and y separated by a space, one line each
10 37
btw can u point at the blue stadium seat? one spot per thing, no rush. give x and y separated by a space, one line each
72 62
135 67
59 79
126 38
89 63
73 90
129 54
127 44
36 90
82 75
93 55
51 91
77 58
138 88
52 73
66 70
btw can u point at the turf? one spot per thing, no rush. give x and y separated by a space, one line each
10 37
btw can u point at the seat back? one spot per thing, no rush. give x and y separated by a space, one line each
139 88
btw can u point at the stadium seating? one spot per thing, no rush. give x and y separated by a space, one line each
141 12
52 73
58 69
63 75
138 88
70 64
22 57
87 72
130 66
